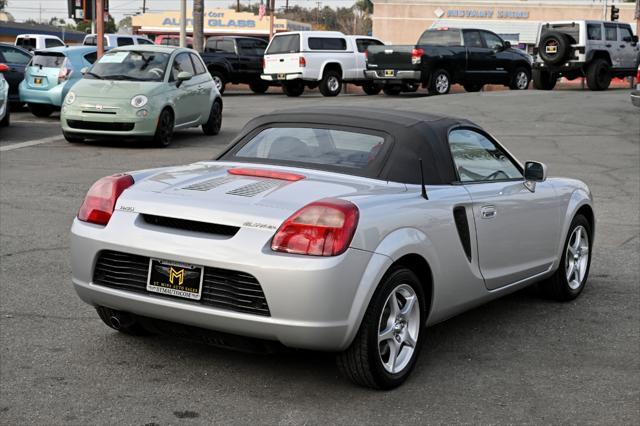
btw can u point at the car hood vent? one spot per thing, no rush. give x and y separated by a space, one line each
209 184
254 188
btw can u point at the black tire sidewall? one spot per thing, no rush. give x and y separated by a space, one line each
543 80
594 80
392 90
222 79
567 291
40 110
293 88
158 137
324 84
392 279
210 127
434 77
259 87
371 89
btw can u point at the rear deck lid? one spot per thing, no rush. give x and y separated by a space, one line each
45 69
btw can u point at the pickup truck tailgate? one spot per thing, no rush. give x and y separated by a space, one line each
390 57
282 63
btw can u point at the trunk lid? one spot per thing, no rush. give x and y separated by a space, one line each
283 54
207 192
44 70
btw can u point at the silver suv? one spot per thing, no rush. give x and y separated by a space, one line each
597 50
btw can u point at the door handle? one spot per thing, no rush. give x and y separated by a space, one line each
488 212
608 45
622 45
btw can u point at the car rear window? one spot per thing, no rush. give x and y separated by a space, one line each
289 43
363 43
26 43
125 41
314 147
440 38
327 43
251 47
573 30
48 60
144 41
52 42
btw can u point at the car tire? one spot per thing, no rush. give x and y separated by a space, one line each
569 280
473 87
331 83
598 75
440 83
219 80
392 90
6 120
293 88
259 86
368 361
121 321
41 110
371 89
563 47
214 123
72 138
164 129
544 80
520 79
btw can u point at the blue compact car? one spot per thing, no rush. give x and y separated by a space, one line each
50 75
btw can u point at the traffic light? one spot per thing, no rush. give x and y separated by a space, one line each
615 13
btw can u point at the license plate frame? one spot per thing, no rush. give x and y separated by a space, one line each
37 80
281 76
389 73
175 279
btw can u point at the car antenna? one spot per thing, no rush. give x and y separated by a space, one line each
424 188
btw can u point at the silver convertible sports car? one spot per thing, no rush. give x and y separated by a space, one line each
331 229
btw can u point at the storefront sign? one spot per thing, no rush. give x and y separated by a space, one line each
487 13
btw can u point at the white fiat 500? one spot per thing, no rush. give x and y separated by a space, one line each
331 229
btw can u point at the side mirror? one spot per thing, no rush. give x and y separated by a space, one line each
4 68
184 76
535 171
84 70
507 45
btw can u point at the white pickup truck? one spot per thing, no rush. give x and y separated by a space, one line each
323 59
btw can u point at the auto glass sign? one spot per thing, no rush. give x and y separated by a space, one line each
487 13
213 19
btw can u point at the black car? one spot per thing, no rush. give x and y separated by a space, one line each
445 56
235 59
16 59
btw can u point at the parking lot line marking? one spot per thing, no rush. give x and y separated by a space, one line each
30 143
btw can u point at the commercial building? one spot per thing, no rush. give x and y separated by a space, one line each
402 21
216 22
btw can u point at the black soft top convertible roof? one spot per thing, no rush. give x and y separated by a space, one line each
414 135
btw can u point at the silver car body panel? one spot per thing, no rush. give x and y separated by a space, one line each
318 302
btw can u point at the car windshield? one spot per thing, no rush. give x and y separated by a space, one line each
313 146
130 65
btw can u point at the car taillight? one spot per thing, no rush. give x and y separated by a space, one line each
322 228
100 201
416 55
264 63
302 62
64 74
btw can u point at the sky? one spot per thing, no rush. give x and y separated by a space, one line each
25 9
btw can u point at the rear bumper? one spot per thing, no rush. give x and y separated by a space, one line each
282 77
314 303
51 96
635 98
399 76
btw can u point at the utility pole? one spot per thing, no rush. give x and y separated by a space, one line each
318 13
272 6
198 25
183 23
237 5
99 15
604 10
144 6
286 6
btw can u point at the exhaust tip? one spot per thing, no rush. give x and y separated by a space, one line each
115 322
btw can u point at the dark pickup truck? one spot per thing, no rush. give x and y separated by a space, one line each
445 56
235 59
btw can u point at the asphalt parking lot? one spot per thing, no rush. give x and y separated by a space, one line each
521 359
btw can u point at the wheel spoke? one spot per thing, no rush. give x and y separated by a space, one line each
571 270
409 340
393 354
408 306
578 237
393 306
386 334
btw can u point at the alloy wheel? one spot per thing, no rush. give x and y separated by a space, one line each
333 84
442 83
522 80
577 257
218 82
398 328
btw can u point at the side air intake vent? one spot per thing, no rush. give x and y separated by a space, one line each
460 217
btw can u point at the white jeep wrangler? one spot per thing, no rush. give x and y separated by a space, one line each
597 50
